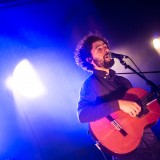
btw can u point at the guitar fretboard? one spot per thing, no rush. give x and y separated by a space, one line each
143 103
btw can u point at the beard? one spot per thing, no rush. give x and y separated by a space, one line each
103 63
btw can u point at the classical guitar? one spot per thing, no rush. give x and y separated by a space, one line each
120 133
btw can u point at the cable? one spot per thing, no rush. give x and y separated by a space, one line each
99 148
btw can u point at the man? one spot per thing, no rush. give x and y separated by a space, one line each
102 92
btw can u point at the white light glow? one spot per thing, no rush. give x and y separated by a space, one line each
156 43
25 81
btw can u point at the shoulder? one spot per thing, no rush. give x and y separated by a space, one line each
90 80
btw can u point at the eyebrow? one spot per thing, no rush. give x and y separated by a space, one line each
100 45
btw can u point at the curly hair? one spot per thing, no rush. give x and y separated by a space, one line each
83 50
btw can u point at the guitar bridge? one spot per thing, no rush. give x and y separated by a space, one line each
117 125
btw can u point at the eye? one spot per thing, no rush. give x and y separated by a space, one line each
105 47
99 49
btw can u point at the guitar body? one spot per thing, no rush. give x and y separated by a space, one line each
111 139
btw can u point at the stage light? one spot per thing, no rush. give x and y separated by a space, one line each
25 81
156 43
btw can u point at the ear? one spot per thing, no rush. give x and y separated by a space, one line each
89 59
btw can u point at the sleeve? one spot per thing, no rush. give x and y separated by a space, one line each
88 108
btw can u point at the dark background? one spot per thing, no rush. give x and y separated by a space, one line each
46 33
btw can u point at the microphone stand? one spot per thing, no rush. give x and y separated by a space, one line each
153 86
140 72
155 89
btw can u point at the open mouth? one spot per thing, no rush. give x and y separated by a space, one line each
107 55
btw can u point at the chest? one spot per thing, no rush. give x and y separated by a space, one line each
111 87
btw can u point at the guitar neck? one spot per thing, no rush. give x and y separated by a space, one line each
144 101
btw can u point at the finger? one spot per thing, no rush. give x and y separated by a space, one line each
137 106
136 111
132 114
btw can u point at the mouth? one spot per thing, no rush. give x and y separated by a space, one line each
107 56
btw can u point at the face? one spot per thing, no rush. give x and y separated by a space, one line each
100 55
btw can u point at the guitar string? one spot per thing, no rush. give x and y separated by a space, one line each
143 100
122 118
147 98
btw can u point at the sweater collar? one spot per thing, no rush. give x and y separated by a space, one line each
104 74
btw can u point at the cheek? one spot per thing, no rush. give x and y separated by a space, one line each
97 56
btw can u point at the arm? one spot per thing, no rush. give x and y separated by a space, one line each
88 108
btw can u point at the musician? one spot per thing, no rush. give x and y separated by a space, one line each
102 92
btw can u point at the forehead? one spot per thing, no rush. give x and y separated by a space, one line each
96 44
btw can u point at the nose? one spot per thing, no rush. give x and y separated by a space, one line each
107 54
106 49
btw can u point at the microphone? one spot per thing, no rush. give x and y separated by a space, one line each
118 56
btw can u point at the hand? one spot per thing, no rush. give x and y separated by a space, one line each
130 107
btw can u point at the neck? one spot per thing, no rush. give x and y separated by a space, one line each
102 69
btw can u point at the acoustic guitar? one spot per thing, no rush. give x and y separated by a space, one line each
119 133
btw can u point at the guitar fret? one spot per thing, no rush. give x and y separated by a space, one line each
143 103
147 98
113 132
